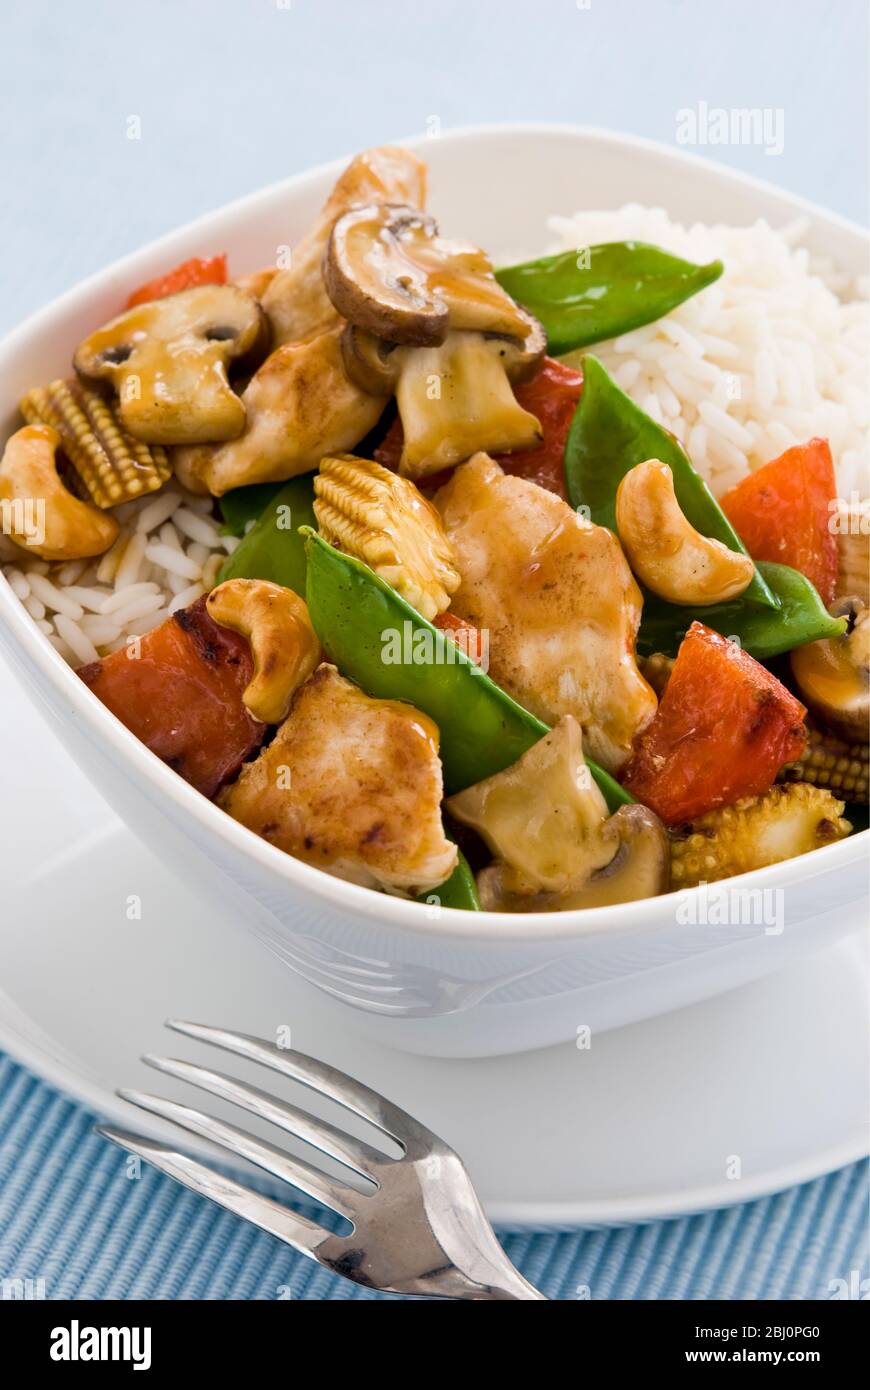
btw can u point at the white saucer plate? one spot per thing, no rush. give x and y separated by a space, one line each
100 943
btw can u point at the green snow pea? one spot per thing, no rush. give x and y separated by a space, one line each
378 640
609 434
459 890
583 297
242 505
763 632
273 548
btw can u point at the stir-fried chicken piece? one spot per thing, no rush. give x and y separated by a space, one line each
351 785
558 600
300 405
296 300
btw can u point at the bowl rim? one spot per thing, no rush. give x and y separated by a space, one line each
517 928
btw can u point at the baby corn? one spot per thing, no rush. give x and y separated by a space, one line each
759 830
113 466
839 767
382 519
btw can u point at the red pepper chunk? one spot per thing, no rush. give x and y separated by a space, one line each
551 395
182 696
186 276
783 513
723 729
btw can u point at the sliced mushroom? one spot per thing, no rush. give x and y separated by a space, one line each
387 270
663 548
168 361
374 279
455 400
376 365
37 512
371 363
521 356
296 299
556 848
833 676
639 869
544 815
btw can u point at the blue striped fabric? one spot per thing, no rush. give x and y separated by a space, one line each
71 1218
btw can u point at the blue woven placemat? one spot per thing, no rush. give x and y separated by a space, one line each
75 1226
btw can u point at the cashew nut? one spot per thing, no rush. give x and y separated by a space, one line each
38 512
283 642
663 548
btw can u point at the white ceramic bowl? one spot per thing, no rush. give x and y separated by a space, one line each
455 984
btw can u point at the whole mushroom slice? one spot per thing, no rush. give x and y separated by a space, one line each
168 361
639 869
296 299
387 270
455 399
374 280
833 676
556 847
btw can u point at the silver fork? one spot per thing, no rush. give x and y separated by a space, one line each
419 1229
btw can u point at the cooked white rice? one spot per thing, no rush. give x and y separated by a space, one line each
168 553
776 351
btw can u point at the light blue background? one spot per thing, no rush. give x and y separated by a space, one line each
233 94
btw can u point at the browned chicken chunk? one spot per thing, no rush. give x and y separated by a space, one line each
351 785
300 405
558 600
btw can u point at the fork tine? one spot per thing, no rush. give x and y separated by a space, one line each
353 1153
295 1171
304 1235
352 1095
